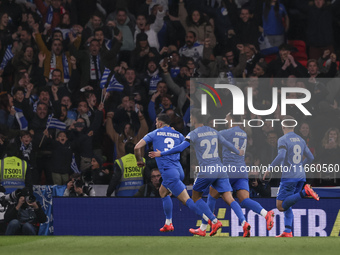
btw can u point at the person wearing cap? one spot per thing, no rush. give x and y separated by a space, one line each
99 173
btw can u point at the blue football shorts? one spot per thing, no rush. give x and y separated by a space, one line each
288 188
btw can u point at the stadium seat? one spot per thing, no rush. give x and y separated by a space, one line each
303 62
270 58
300 45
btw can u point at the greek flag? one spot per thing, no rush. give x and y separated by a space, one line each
49 15
106 74
7 57
74 166
108 44
19 115
114 85
55 123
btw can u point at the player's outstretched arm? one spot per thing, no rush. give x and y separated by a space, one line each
138 152
155 154
277 161
281 155
179 148
309 156
229 145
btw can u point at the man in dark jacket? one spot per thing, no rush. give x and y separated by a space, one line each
151 189
24 216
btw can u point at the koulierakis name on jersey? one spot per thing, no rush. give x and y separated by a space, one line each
168 134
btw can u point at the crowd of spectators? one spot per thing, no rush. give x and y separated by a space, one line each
54 55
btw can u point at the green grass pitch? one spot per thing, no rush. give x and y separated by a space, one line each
98 245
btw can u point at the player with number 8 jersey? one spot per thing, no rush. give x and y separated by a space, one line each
291 149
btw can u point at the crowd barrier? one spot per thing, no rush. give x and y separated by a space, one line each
144 216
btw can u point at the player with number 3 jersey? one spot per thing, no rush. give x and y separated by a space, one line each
165 138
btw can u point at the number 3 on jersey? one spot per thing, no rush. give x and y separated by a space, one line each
169 143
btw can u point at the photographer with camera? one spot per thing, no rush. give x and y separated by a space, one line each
257 188
24 215
76 187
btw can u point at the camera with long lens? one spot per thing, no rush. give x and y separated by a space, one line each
15 195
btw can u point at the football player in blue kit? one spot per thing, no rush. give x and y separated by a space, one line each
291 149
238 175
165 138
205 143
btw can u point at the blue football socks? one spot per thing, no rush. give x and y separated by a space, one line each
167 207
204 208
238 211
292 199
288 219
251 205
211 204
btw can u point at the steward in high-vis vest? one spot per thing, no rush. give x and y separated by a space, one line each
127 176
13 173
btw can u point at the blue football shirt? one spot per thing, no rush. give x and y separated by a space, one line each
295 148
163 139
238 138
205 143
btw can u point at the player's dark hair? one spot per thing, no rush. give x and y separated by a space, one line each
196 113
129 148
164 118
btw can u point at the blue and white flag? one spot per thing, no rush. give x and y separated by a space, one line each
7 57
19 115
74 166
44 195
114 85
50 11
108 44
66 69
55 123
106 74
